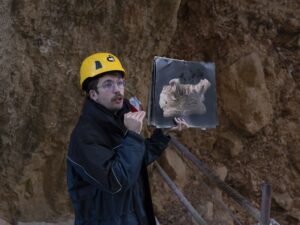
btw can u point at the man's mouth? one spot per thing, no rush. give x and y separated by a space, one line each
117 99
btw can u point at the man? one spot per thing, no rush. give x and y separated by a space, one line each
107 157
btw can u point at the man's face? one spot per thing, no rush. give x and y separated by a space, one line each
110 92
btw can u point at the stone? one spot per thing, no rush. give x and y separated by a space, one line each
67 222
3 222
245 97
177 167
284 200
222 172
230 142
209 211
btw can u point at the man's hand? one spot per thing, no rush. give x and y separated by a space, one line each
181 125
134 121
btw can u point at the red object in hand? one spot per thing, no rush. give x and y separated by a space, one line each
135 104
133 109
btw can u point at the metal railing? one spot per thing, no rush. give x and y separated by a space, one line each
262 216
181 197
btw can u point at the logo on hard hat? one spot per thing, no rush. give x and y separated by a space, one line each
110 58
98 65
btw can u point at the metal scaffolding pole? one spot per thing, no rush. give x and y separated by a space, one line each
181 197
254 212
265 204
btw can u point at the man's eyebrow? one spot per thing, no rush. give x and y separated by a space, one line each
112 79
109 79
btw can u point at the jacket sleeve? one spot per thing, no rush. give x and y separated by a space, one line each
111 170
155 145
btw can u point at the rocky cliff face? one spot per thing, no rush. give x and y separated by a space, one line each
256 48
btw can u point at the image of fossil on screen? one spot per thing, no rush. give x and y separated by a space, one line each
178 99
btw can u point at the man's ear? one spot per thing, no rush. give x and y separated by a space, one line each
93 95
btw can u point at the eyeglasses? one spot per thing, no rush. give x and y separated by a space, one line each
109 84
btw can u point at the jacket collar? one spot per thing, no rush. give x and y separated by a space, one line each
110 121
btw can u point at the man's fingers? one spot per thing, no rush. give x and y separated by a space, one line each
184 124
180 120
134 121
127 115
139 116
142 115
181 123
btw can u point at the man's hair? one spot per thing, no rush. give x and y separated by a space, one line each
92 82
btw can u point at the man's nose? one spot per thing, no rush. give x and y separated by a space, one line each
116 87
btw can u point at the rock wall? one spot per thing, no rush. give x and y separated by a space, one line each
255 45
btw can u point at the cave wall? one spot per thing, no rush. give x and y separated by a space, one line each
255 45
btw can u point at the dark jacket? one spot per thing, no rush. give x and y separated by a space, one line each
106 169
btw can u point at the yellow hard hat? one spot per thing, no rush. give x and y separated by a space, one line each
99 63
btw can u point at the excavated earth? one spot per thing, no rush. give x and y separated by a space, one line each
255 45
